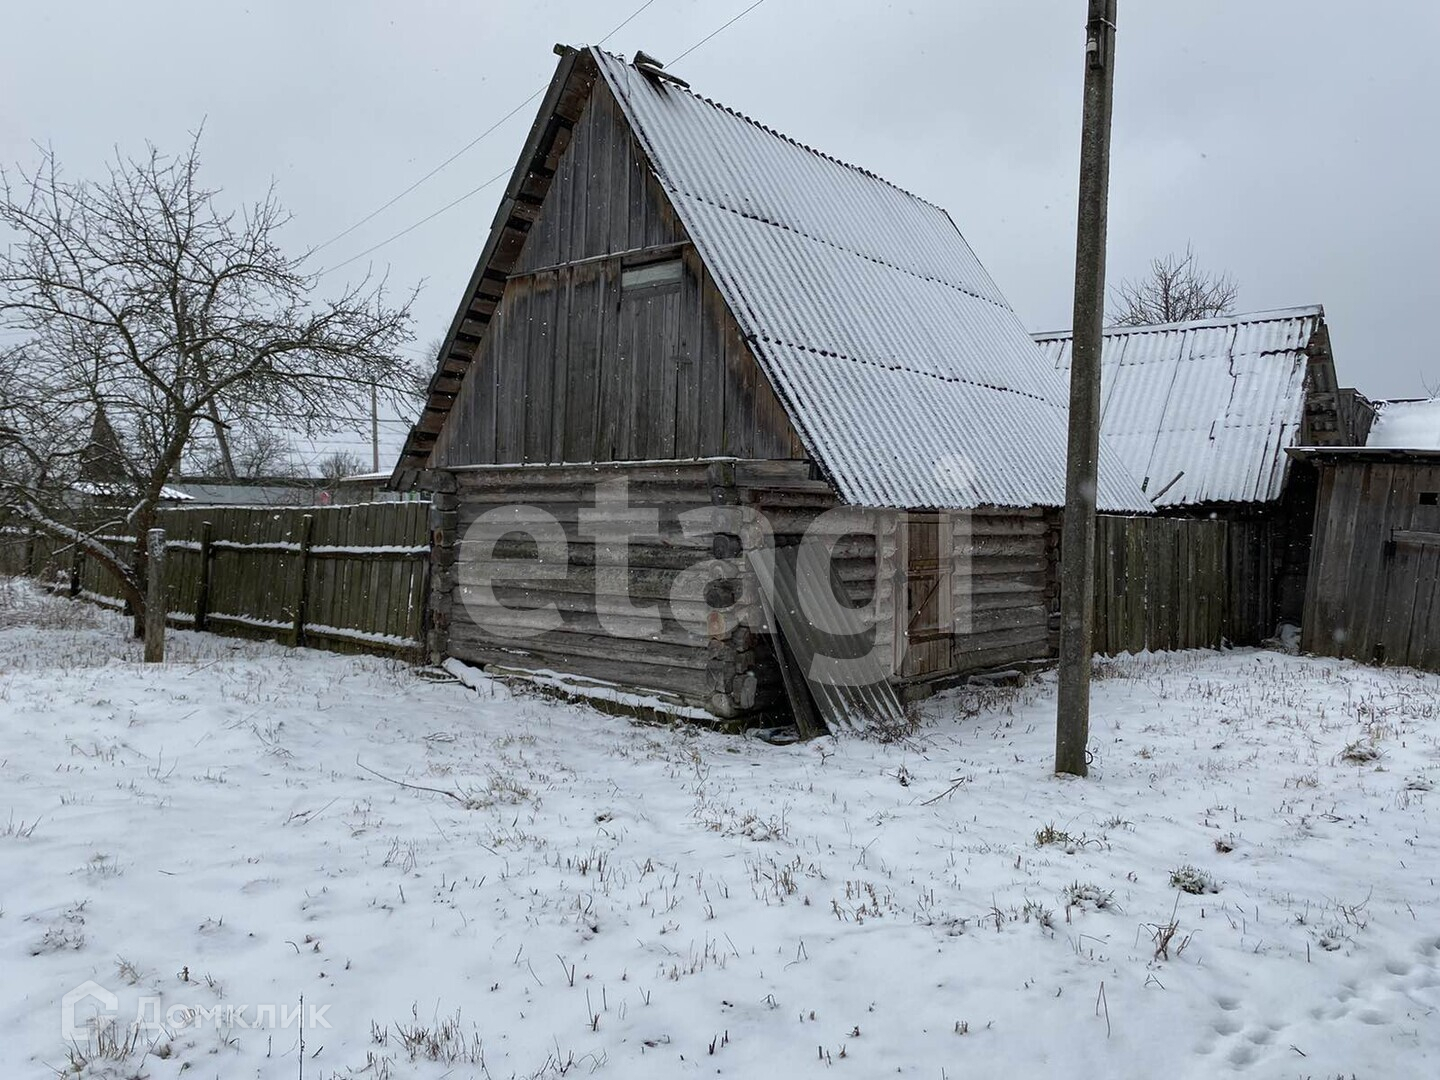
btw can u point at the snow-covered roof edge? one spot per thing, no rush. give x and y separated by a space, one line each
1406 424
1272 315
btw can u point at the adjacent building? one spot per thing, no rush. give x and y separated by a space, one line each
1374 590
1203 414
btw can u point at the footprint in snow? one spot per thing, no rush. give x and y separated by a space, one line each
1226 1025
1241 1054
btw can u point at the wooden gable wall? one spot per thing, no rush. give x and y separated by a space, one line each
574 368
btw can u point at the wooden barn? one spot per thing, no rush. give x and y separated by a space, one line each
1374 589
1202 413
687 339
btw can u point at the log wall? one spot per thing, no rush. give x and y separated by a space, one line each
684 620
670 621
1003 588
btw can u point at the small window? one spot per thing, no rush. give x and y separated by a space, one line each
1430 498
648 274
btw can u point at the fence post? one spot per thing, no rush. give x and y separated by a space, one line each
155 597
307 525
75 556
202 588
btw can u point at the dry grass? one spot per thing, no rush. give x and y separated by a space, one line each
1192 880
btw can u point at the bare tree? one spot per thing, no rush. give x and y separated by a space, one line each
139 299
1175 290
335 467
250 451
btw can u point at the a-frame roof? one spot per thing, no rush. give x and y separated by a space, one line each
906 373
1204 411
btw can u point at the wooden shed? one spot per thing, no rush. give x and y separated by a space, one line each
1202 414
1374 587
690 341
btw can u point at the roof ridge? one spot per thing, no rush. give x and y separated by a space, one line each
779 134
1267 315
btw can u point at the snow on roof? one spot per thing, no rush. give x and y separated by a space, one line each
366 477
1406 425
904 369
1213 403
242 493
109 490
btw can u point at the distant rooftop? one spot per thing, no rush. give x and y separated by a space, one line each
1203 411
1406 425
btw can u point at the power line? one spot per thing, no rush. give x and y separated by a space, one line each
468 146
721 30
386 205
411 228
625 22
498 176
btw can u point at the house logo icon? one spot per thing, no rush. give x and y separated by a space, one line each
84 1009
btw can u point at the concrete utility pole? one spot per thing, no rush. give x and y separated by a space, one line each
374 428
1077 540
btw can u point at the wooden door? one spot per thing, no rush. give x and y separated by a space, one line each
1409 630
650 362
925 630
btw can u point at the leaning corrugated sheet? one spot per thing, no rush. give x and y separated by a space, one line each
1406 425
905 371
1214 402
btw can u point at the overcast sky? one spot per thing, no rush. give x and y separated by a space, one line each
1293 142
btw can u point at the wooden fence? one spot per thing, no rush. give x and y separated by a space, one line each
338 576
1181 583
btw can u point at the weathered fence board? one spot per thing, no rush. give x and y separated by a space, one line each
340 576
1180 583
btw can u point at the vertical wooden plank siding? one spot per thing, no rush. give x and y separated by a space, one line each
1375 574
1161 583
575 368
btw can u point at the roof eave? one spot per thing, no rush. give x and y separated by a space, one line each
524 193
1362 453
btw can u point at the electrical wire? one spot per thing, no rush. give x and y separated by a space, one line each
467 147
500 175
718 31
625 22
412 227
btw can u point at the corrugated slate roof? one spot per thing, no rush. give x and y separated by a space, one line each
904 369
1214 402
1406 425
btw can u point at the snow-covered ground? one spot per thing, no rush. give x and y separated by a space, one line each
580 894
